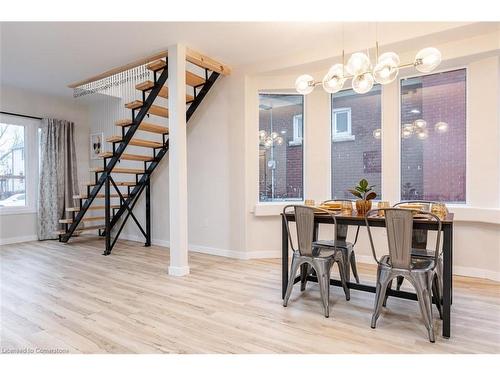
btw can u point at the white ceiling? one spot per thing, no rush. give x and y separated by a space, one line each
47 56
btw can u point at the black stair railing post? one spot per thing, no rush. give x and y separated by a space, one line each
107 218
148 212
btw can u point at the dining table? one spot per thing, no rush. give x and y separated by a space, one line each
354 219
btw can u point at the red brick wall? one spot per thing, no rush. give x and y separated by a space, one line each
348 159
288 174
436 166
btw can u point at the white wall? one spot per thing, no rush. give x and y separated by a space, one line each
23 227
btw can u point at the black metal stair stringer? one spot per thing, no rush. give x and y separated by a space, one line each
161 153
160 82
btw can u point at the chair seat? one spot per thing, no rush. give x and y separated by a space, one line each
423 253
330 243
417 264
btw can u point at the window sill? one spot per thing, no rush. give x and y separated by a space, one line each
17 211
272 208
297 142
343 138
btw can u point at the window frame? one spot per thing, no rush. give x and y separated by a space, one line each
31 166
381 196
297 141
303 144
340 136
467 161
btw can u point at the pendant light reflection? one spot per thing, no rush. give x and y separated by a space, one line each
268 140
407 131
420 124
441 127
422 134
377 133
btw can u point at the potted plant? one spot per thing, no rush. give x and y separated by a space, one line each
365 193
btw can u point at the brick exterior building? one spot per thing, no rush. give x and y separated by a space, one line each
431 168
360 156
434 168
276 114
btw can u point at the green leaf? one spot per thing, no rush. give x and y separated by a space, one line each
355 193
371 196
363 183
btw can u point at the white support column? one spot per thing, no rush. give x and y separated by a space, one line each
177 161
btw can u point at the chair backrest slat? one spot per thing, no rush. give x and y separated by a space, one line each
304 217
419 237
399 225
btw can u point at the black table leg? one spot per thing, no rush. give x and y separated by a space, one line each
284 257
447 277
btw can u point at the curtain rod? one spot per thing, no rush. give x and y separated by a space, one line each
19 115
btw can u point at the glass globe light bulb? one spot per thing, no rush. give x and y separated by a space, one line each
334 80
422 134
441 127
358 64
268 143
262 135
427 59
377 133
387 68
420 124
279 141
304 84
362 83
274 135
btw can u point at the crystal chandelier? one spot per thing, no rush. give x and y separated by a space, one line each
363 74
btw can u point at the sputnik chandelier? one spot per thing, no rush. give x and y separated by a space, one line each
363 75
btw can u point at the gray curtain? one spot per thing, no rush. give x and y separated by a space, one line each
58 175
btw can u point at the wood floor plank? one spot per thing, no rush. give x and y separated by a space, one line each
71 297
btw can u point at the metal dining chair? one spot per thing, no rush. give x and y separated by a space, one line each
346 247
419 244
419 272
319 258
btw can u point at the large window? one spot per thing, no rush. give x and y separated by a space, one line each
281 129
433 137
18 164
356 136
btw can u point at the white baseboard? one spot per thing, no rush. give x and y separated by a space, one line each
367 259
457 270
7 241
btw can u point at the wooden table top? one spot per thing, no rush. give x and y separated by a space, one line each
357 218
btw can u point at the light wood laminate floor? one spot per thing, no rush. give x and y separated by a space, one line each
70 297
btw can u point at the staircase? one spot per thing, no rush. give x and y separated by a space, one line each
113 216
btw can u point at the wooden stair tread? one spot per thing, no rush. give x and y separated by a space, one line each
118 183
154 109
92 208
148 85
144 126
83 229
136 142
120 170
85 219
191 78
125 195
127 156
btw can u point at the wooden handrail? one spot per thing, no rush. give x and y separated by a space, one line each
191 56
